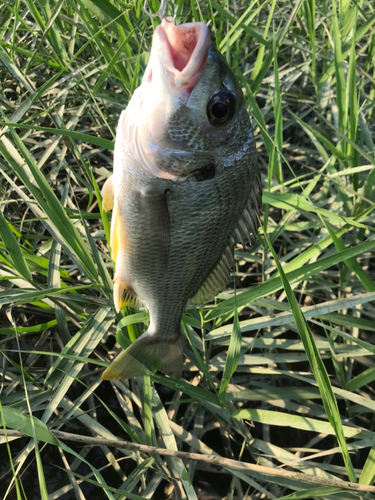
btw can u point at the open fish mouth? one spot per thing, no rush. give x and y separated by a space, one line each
182 51
177 59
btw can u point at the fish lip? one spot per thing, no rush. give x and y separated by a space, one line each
182 50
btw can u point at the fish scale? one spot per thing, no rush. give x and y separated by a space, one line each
185 190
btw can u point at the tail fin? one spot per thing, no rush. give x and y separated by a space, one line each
150 352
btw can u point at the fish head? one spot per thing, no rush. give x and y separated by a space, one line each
189 109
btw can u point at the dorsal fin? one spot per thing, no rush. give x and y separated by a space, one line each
248 223
217 279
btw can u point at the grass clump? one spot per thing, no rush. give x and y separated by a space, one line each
301 321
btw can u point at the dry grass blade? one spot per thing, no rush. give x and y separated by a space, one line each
270 473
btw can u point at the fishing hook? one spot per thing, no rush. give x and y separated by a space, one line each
160 13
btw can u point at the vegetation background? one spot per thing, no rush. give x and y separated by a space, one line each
295 395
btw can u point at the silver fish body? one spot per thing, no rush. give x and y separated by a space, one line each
184 191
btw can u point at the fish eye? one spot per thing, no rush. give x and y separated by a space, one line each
221 107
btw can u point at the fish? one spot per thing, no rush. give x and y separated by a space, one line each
185 190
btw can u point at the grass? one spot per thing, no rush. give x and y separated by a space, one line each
279 375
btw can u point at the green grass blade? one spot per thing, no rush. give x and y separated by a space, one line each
294 421
90 139
291 201
54 37
261 49
198 358
13 248
360 380
247 29
318 369
51 205
352 264
341 95
54 277
14 419
16 483
352 99
275 284
275 163
368 472
161 420
315 492
147 412
233 355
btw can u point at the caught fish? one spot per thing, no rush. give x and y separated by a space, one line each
185 189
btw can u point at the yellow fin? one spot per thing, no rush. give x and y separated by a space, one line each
115 232
108 194
124 295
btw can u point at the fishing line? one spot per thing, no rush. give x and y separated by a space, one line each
160 13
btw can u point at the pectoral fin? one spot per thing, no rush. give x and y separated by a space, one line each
115 231
108 194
